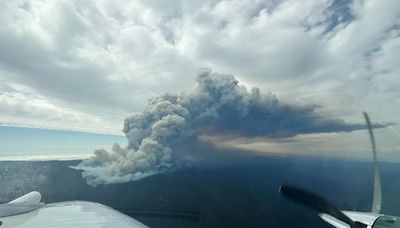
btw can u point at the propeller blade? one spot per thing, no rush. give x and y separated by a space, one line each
377 197
315 202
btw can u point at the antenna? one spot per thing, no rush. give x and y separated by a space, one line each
377 197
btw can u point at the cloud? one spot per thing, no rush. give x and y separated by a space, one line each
107 58
219 103
21 107
89 65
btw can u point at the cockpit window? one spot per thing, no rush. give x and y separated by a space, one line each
199 113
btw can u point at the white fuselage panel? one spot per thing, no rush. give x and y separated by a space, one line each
363 217
71 214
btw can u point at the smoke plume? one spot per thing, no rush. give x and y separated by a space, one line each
218 104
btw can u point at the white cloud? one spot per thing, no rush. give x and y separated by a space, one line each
101 60
19 107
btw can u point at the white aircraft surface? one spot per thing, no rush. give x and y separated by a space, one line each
347 219
27 211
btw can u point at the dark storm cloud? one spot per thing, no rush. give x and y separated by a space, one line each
218 103
282 121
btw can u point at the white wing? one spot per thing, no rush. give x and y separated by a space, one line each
28 211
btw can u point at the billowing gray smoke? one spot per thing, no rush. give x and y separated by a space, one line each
218 104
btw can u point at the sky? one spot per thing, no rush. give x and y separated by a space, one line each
19 143
86 66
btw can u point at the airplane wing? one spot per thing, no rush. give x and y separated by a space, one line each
28 211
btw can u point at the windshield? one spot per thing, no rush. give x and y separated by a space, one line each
196 113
